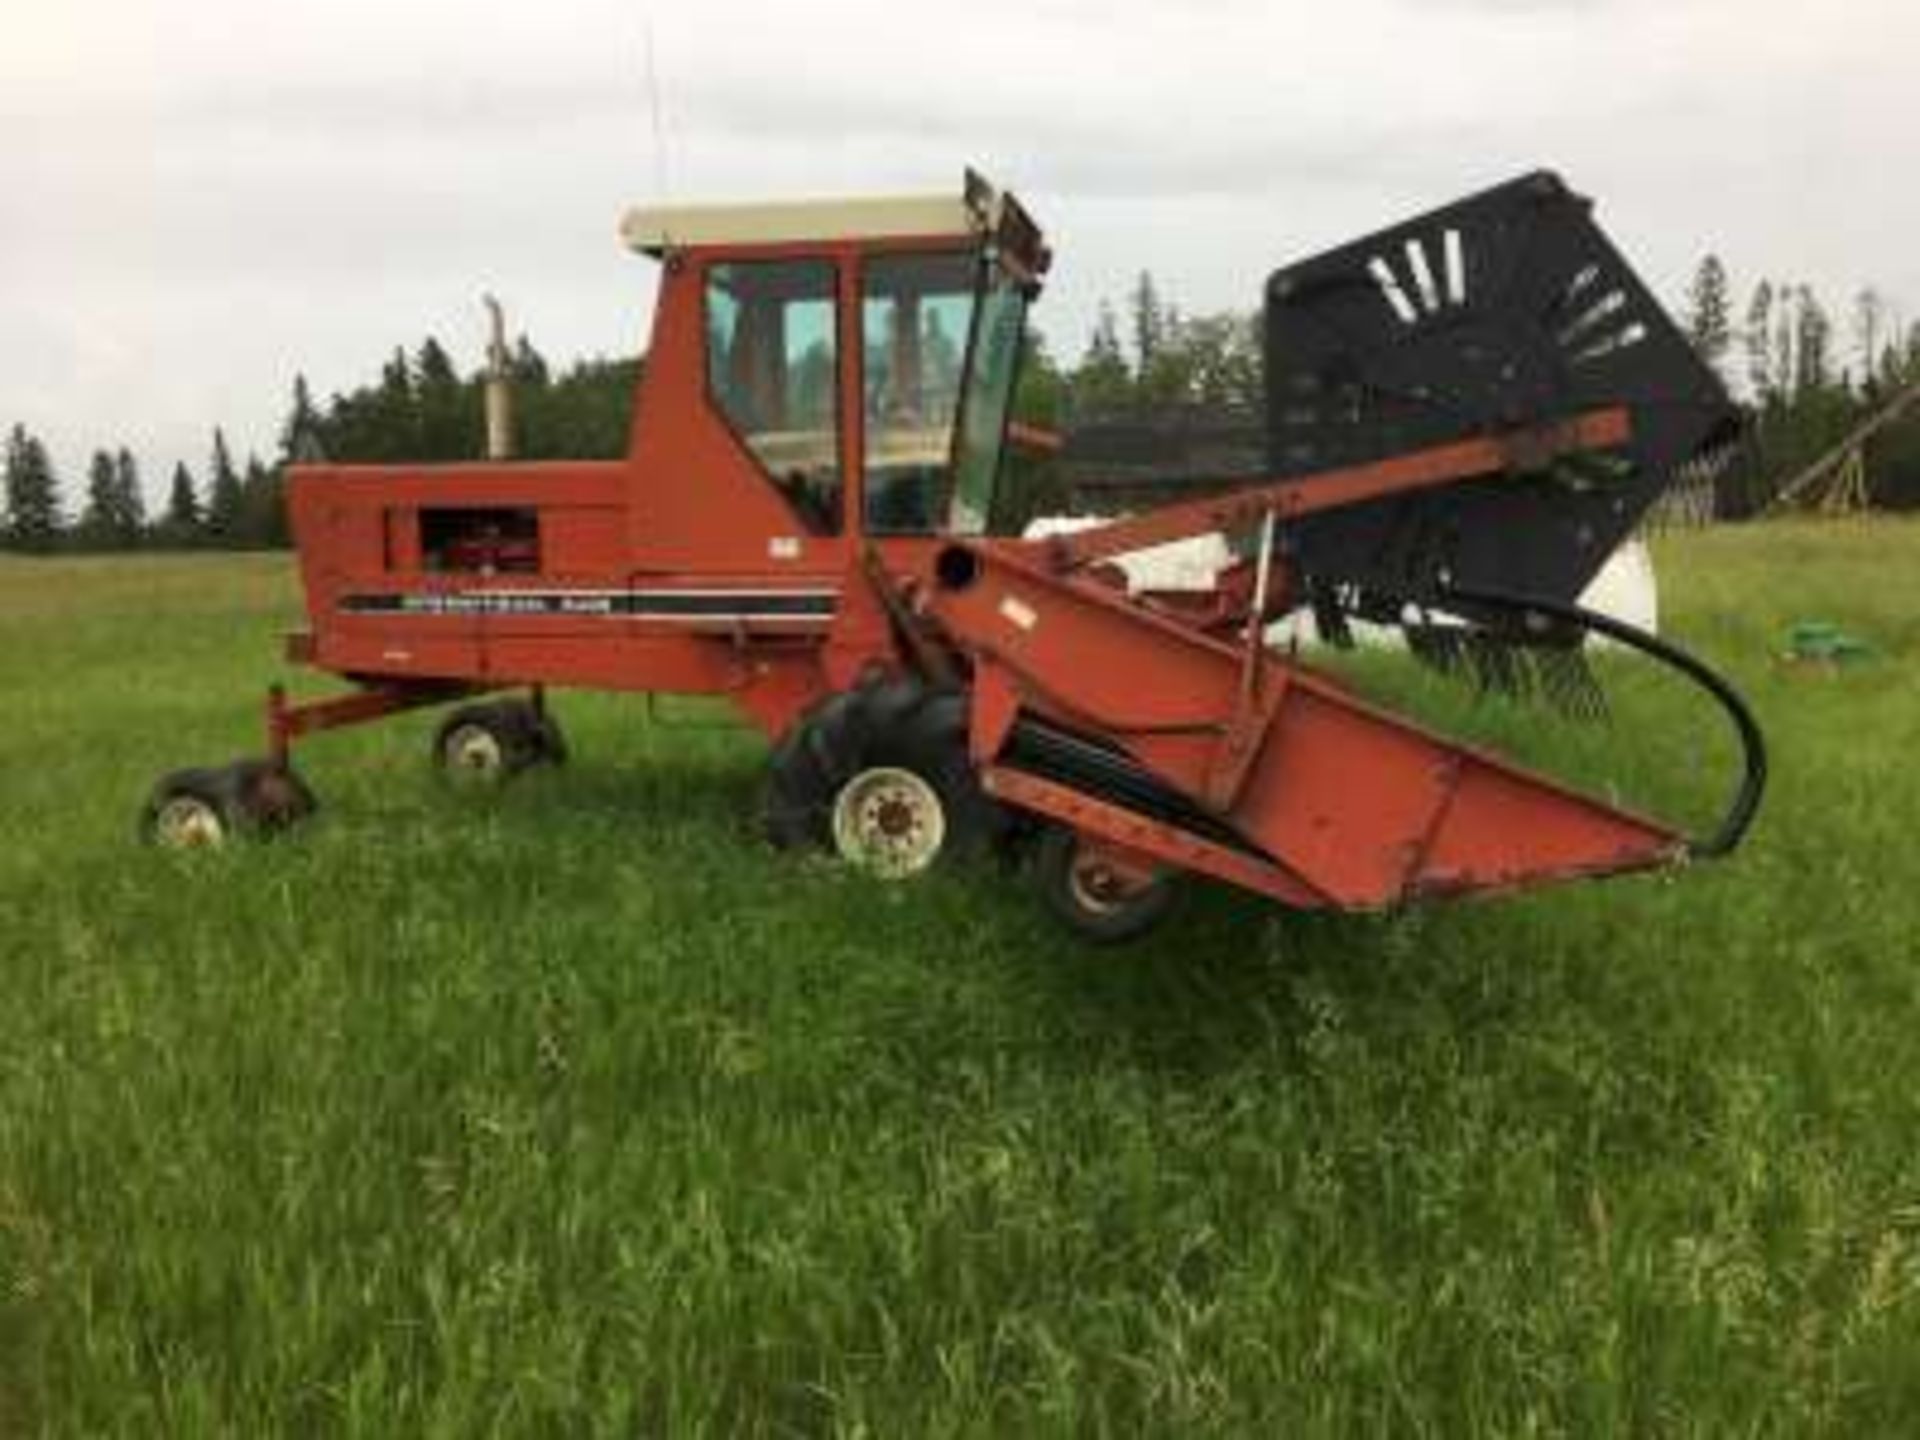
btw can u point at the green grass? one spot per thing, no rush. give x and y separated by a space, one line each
577 1112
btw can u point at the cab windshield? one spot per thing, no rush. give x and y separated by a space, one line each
940 350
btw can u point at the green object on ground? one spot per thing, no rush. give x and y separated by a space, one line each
1822 640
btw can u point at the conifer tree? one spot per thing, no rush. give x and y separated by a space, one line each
1102 385
1813 344
393 419
130 503
1786 338
300 435
396 376
32 494
97 526
1869 326
1149 323
1221 361
1708 323
1759 339
181 525
264 510
224 498
441 408
529 366
433 368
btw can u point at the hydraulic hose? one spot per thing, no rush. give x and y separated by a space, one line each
1745 804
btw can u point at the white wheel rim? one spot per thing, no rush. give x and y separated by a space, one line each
889 822
186 822
1096 888
474 752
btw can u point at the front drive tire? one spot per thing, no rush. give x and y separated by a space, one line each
881 776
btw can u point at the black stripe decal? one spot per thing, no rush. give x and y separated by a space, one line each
668 604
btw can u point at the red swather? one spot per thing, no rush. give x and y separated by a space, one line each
1141 738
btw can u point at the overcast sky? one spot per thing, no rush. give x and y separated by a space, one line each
199 199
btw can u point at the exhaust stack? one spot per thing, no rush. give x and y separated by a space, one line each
499 386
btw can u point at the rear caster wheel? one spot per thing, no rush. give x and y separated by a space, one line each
1095 893
206 808
480 746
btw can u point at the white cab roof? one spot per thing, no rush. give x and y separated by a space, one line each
655 229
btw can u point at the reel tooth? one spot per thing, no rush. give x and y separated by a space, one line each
1557 676
1571 686
1330 621
1497 667
1435 646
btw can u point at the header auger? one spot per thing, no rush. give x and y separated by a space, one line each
1467 414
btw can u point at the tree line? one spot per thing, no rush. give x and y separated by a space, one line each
1803 382
419 409
1803 387
1166 359
239 507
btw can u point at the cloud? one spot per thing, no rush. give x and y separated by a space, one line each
196 202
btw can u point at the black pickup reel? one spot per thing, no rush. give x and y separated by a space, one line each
1506 311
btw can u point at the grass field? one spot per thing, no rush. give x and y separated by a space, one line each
577 1112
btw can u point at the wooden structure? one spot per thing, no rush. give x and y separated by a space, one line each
1836 483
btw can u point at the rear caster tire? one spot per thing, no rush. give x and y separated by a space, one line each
485 745
880 775
1093 896
204 809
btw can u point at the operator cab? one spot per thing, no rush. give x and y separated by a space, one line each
863 352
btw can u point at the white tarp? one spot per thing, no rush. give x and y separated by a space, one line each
1624 589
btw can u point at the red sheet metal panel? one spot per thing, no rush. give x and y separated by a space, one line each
1360 806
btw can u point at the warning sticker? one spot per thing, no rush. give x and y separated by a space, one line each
1018 612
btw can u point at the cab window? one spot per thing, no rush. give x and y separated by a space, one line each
993 371
772 368
916 312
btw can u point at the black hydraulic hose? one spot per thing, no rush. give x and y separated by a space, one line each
1753 781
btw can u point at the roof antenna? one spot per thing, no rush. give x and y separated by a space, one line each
655 108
